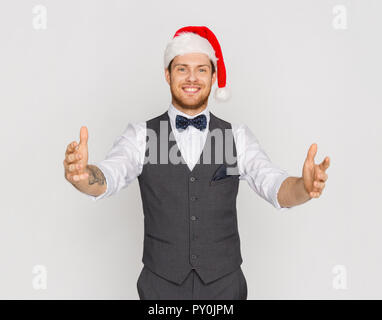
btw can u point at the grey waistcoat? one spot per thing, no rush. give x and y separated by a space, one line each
190 221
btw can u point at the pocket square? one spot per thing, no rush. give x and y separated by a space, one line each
220 173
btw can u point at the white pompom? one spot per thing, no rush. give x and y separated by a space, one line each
222 94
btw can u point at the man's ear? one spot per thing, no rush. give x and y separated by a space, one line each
167 75
213 78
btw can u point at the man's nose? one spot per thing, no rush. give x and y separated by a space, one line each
192 76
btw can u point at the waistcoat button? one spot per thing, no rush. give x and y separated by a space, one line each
193 218
193 198
192 179
193 256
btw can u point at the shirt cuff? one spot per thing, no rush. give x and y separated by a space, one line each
108 179
276 189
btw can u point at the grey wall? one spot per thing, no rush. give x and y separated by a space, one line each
298 74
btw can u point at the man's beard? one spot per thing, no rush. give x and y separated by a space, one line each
201 101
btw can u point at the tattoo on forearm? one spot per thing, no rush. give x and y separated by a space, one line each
95 175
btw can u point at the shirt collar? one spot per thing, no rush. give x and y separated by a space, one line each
173 112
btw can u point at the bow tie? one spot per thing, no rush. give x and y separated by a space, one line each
199 122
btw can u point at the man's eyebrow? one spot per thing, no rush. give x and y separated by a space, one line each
186 65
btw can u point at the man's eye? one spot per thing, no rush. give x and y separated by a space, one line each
181 69
203 70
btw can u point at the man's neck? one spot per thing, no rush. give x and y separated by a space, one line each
190 112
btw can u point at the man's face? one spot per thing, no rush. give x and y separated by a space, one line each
190 80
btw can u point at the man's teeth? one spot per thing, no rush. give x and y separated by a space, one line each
190 89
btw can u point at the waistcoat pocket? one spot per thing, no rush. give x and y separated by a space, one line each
148 235
231 178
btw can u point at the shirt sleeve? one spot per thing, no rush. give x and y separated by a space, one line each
254 166
124 161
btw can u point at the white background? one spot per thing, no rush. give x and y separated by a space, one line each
295 80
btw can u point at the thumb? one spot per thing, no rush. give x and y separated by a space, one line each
312 152
83 136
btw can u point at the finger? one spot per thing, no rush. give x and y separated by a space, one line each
322 176
314 194
319 186
325 164
71 147
312 152
69 158
66 165
72 157
75 168
79 177
83 135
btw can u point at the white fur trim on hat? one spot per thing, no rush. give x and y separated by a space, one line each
222 94
188 42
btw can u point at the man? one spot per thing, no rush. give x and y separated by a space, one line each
191 240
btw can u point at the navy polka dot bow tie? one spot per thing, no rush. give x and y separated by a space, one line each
199 122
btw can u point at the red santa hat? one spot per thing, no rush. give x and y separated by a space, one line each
199 39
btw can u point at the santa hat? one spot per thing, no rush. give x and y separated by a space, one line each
199 39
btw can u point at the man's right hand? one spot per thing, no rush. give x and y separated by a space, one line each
76 158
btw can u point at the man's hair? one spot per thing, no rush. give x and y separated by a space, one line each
212 67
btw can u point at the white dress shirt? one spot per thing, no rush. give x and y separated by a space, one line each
124 162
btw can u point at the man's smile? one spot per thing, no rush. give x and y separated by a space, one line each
191 89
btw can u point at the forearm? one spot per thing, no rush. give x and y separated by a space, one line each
292 192
95 185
